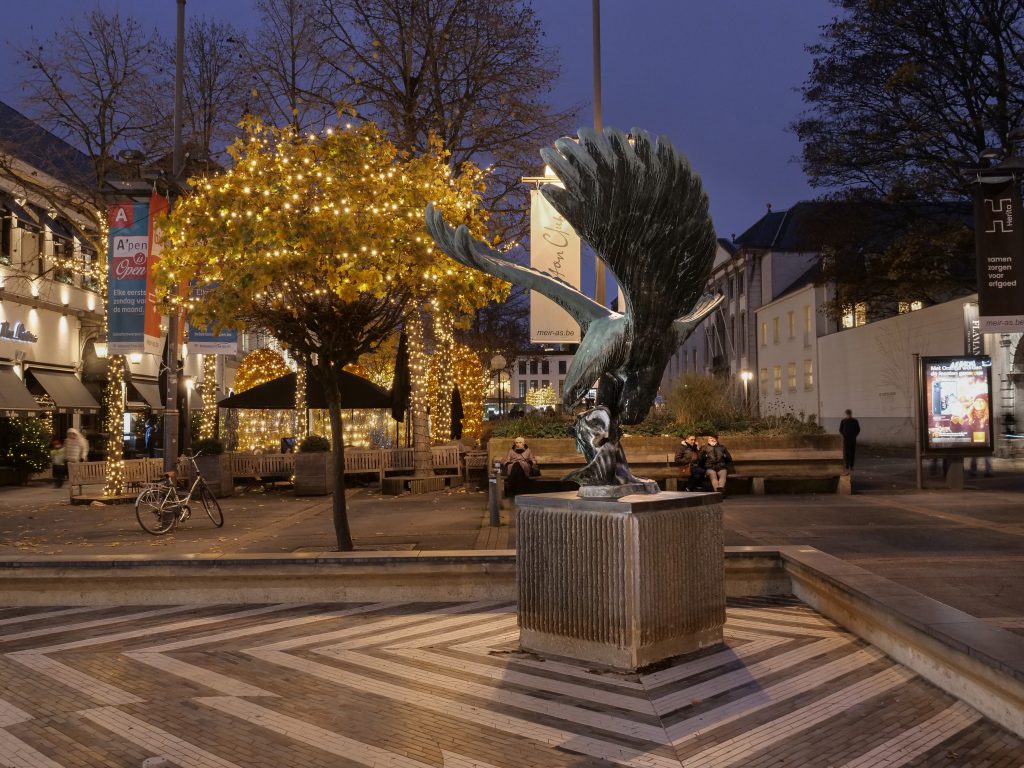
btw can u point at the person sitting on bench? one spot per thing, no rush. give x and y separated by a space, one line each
688 458
518 465
716 460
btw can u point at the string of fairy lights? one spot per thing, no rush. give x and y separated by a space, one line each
208 419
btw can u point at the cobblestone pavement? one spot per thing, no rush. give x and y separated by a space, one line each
414 685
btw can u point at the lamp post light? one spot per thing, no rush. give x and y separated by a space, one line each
746 377
498 363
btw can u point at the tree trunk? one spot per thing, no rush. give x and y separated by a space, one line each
419 397
444 379
330 384
115 426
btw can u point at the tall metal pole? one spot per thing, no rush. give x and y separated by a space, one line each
599 287
171 404
918 476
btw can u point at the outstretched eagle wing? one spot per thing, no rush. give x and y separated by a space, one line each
467 250
684 326
644 210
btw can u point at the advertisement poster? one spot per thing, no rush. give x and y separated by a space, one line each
204 340
555 249
957 399
127 261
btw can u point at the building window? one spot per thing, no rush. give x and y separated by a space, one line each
764 375
791 376
791 324
808 374
522 367
777 379
533 384
561 385
909 306
743 333
544 383
533 367
545 367
775 330
561 367
855 315
764 334
522 389
807 318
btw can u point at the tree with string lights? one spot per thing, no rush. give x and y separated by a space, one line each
319 240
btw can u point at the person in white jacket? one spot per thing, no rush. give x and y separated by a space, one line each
76 447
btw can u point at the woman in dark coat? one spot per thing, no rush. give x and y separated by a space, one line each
716 460
518 465
688 457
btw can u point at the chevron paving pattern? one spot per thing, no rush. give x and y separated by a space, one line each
400 685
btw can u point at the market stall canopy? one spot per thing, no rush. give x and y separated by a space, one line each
67 391
13 394
279 394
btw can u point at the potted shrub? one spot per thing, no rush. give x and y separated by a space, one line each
215 466
313 475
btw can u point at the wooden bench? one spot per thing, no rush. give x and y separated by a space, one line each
816 464
473 460
137 473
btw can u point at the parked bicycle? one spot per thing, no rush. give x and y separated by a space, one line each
161 505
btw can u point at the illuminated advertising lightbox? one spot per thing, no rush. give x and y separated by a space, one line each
956 403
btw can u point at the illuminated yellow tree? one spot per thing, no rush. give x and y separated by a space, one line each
319 240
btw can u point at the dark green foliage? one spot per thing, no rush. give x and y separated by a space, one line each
210 446
25 444
315 444
534 425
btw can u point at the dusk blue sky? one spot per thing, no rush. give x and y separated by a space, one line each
718 78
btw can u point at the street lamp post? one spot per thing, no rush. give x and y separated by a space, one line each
498 363
746 377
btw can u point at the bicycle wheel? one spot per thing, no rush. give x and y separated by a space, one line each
153 511
211 505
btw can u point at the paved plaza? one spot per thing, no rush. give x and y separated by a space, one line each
414 685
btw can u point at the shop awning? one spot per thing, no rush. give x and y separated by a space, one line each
150 393
13 394
67 391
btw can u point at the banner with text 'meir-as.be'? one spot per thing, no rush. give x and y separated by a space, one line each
127 270
554 249
999 248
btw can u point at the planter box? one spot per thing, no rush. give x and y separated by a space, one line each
216 471
313 475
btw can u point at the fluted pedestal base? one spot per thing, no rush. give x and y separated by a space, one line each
622 583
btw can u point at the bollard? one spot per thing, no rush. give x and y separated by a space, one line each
493 502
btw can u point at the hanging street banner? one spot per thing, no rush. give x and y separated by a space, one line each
127 268
554 249
999 248
151 327
974 339
204 340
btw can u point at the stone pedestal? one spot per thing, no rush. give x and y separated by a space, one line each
621 583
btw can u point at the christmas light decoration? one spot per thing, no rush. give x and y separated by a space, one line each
301 411
442 381
114 425
208 420
472 380
543 397
261 429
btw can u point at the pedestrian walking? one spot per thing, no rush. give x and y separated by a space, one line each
715 458
688 459
76 447
58 462
849 428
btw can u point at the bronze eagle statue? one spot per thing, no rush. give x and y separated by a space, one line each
638 203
